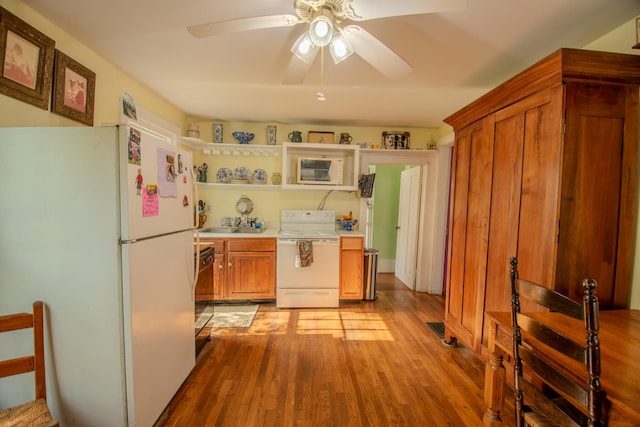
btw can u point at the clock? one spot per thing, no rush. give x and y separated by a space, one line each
244 205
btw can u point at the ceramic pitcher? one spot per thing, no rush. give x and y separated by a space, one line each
295 136
345 138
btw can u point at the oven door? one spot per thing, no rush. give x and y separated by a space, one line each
314 286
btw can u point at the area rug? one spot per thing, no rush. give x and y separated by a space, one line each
232 316
437 327
204 317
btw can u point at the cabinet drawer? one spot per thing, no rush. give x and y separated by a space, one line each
352 243
249 245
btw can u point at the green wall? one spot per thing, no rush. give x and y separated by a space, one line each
386 195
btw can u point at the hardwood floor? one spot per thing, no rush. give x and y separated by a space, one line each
364 364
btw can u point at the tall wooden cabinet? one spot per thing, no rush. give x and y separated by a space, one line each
351 267
545 170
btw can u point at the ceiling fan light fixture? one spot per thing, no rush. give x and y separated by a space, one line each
321 30
304 48
340 48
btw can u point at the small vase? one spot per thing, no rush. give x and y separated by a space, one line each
217 133
276 178
271 134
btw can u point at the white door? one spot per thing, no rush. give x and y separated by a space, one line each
408 219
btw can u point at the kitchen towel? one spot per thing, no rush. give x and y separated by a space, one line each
304 254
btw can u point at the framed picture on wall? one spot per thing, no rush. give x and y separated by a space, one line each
27 61
395 140
73 89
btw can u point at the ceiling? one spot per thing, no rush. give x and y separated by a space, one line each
456 56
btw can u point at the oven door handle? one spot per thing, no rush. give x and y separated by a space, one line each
315 242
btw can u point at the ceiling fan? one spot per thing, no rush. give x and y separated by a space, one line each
325 19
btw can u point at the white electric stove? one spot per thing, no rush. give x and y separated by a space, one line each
318 284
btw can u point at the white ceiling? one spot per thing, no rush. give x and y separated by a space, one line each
456 56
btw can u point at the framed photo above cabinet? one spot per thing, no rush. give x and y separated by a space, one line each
396 140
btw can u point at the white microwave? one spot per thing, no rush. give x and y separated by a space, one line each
320 170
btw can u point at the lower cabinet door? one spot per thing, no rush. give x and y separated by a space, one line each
250 275
351 267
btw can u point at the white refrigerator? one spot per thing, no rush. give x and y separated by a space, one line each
98 224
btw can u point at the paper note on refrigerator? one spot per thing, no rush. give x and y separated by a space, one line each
167 186
149 202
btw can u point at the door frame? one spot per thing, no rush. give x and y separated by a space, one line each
433 205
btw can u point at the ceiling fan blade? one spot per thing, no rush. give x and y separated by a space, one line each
373 9
296 71
244 24
376 53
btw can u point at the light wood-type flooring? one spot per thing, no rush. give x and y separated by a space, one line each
364 364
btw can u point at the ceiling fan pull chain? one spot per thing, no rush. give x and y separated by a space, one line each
321 96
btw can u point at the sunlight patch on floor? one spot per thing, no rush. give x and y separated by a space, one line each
344 325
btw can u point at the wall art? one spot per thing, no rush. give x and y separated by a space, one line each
395 140
73 89
27 61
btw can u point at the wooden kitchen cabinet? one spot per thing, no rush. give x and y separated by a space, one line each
251 269
545 170
351 267
244 268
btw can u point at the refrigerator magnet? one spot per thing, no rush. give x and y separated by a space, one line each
150 201
139 182
135 156
185 201
180 165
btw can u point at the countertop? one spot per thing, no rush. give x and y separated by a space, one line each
353 233
269 232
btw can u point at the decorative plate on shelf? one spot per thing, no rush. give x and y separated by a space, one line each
241 174
259 176
244 205
224 175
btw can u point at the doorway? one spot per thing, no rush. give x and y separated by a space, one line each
393 222
431 212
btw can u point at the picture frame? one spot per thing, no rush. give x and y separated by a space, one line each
396 140
26 56
74 89
637 45
320 137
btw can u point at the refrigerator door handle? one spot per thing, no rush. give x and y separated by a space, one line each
194 186
196 265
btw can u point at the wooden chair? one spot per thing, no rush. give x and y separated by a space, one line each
36 412
531 343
